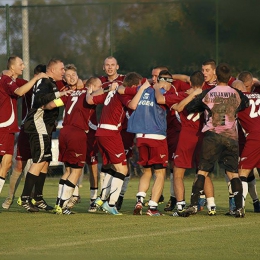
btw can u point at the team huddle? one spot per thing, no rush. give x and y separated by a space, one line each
175 121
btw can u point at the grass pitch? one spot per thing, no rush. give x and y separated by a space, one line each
98 235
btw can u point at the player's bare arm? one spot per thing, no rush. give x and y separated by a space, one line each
158 95
26 87
180 106
134 102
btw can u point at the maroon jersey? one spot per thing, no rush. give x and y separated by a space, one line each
8 105
187 120
250 117
173 122
113 112
212 84
62 85
77 110
181 85
250 121
105 81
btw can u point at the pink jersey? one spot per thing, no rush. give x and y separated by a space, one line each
8 105
77 110
250 117
223 102
113 112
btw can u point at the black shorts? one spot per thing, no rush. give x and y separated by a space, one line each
40 145
221 149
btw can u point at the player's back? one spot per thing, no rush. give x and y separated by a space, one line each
250 117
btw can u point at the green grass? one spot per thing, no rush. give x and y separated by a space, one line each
100 236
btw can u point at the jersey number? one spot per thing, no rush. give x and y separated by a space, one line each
195 118
74 101
109 96
254 112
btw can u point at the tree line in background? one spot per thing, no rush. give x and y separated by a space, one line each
140 34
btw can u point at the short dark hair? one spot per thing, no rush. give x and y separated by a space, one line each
209 62
39 68
245 76
132 78
165 72
197 79
223 72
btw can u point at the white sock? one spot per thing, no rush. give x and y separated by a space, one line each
116 186
210 202
2 182
105 189
101 178
93 193
76 191
181 205
152 204
245 191
60 188
252 189
66 194
140 196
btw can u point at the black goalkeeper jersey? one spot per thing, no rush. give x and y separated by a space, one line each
39 120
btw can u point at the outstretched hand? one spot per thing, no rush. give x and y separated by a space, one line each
66 93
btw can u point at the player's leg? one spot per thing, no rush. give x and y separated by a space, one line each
160 173
237 188
6 154
68 189
209 193
144 184
243 174
253 191
92 163
30 180
39 201
179 189
128 142
158 158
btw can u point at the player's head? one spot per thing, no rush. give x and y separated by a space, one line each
110 66
165 78
55 69
156 71
39 68
247 78
94 82
132 79
15 65
223 73
238 84
208 69
70 75
197 79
